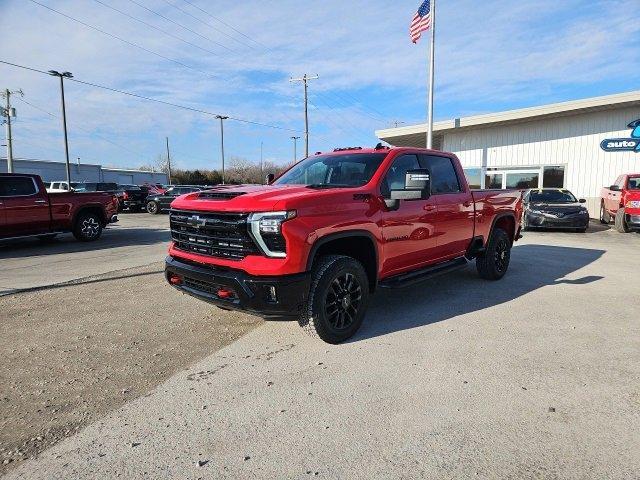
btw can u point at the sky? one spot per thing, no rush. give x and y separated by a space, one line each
235 58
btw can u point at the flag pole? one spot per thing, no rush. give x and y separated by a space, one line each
431 76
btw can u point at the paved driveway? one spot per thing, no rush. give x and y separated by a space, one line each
137 239
535 376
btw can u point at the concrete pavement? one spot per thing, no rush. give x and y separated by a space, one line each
535 376
137 239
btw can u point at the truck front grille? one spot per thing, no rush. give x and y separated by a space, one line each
221 235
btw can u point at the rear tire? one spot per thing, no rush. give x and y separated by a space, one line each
494 262
88 227
153 208
338 299
605 218
620 222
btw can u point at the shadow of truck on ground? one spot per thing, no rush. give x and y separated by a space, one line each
448 296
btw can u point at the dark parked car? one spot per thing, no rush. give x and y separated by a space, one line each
554 208
158 203
133 197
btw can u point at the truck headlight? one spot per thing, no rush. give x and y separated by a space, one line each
266 225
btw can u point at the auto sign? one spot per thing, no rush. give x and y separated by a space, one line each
624 144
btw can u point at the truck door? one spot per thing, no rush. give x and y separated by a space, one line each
26 208
409 231
455 219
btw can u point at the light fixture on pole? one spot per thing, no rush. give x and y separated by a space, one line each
295 148
62 76
222 118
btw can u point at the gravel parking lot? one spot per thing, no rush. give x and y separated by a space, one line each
535 376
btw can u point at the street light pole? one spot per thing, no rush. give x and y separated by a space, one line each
62 76
295 148
222 118
305 80
168 161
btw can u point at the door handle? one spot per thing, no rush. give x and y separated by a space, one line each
467 203
429 208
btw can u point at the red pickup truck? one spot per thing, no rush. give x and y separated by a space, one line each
317 241
621 201
26 209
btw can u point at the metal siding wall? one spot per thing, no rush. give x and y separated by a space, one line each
573 141
53 171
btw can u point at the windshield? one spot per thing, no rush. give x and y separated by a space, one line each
634 183
348 170
551 196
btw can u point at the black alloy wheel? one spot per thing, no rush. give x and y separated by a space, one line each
342 301
502 255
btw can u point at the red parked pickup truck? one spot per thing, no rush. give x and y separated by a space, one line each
317 241
622 202
26 209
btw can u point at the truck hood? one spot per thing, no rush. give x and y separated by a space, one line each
246 198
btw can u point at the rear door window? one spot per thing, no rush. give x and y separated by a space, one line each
444 178
17 187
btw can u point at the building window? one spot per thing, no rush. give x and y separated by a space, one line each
474 178
553 177
522 181
493 180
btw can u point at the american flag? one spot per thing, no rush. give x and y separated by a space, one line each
421 21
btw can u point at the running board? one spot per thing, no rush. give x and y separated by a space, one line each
417 276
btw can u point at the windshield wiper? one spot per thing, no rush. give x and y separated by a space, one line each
329 185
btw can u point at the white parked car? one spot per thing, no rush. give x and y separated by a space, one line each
57 187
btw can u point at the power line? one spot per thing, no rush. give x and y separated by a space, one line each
104 32
84 129
182 26
159 29
151 99
224 23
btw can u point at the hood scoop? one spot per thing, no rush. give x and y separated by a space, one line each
217 195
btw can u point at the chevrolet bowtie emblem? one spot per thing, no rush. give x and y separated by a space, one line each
196 221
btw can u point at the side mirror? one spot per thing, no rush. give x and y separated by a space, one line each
270 178
614 188
417 186
582 200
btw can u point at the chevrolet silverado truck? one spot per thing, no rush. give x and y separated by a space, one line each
26 209
621 201
315 243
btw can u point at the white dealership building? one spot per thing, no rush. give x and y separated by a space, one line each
580 145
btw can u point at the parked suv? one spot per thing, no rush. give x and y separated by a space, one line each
621 201
160 202
319 240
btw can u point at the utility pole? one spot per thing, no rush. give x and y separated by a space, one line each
168 161
295 148
261 160
9 113
222 118
62 76
305 79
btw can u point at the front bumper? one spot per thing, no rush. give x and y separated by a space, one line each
535 220
633 221
253 294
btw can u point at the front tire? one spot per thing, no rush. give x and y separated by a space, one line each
88 227
338 299
494 262
620 222
153 208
